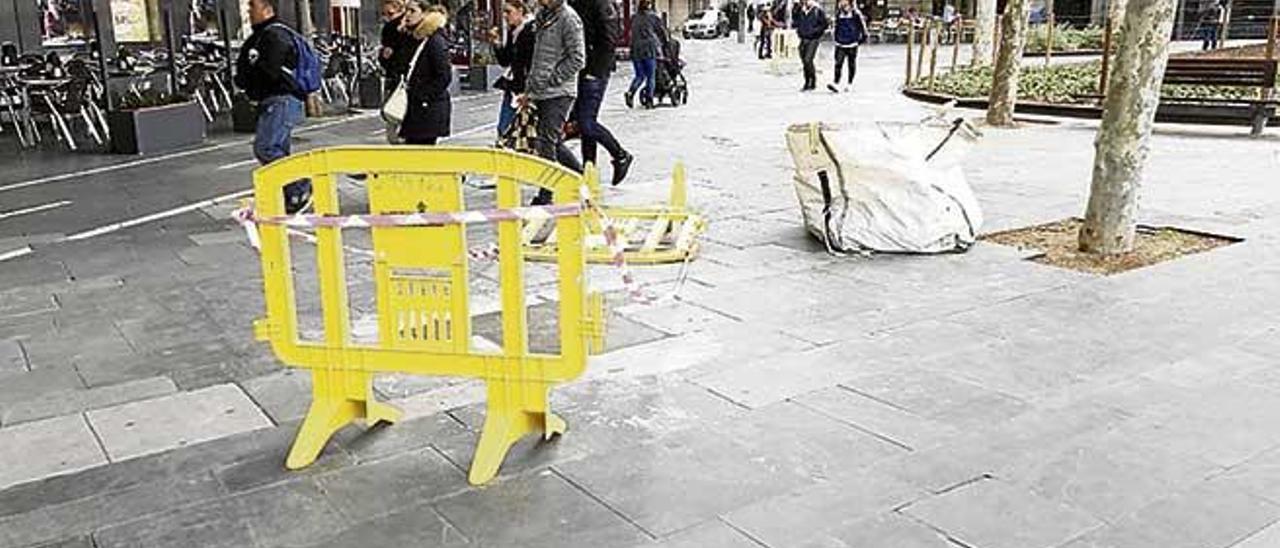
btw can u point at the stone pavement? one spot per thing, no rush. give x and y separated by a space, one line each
787 398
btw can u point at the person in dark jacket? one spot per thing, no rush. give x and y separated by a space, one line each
648 37
516 54
264 70
427 117
810 23
764 49
602 28
851 32
397 47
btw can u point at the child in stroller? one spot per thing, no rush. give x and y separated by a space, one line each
669 79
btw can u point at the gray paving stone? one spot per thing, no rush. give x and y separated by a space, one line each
1108 476
284 396
89 514
65 444
891 423
140 428
696 354
74 542
991 513
710 533
201 525
779 377
677 318
683 479
384 440
795 518
76 401
23 301
1207 515
1262 539
12 358
102 346
418 525
888 529
381 487
541 510
267 468
939 396
1259 476
544 333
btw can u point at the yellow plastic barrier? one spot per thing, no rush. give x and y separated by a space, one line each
422 292
650 235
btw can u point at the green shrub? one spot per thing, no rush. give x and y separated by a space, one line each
1066 83
1065 38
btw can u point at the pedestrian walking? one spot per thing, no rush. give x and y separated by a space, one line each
397 46
764 49
602 28
515 53
427 117
751 16
559 54
268 71
648 39
1211 20
810 23
851 32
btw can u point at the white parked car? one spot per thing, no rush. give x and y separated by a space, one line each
709 23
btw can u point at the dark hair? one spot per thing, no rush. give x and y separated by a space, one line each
273 4
520 5
645 5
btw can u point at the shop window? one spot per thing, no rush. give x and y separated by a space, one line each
64 22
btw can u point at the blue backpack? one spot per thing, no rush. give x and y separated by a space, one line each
306 72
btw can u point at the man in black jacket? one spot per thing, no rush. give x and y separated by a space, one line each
602 28
810 23
264 70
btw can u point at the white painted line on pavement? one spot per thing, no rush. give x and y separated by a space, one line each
171 156
35 209
234 165
24 250
155 216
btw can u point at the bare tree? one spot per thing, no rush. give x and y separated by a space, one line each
1128 114
1004 84
983 32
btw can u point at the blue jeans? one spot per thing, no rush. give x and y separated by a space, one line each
277 116
506 114
590 96
644 69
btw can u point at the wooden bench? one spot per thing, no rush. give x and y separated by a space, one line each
1259 74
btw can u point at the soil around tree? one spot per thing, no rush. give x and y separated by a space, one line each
1058 243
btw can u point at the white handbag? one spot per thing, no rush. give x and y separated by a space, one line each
394 109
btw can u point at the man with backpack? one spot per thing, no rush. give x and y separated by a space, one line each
277 69
602 29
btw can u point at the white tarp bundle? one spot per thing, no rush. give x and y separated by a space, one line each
886 188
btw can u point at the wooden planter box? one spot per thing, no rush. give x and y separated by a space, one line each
156 129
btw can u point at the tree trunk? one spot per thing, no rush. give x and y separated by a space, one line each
306 26
1004 84
1128 114
983 31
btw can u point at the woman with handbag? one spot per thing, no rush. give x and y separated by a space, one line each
428 108
516 54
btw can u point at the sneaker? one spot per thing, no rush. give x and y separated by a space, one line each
543 198
630 99
297 197
833 88
620 168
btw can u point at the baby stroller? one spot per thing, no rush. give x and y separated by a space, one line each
669 79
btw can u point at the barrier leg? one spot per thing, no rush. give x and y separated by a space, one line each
338 398
516 409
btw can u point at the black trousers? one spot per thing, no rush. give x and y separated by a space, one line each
809 49
849 55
